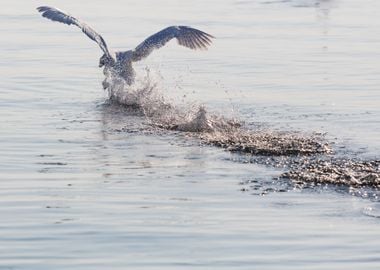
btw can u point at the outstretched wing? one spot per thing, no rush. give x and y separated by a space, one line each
186 36
57 15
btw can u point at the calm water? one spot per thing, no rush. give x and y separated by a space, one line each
79 191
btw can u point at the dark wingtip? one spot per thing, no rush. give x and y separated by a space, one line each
42 8
191 28
210 36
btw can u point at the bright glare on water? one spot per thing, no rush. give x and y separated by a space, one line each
85 184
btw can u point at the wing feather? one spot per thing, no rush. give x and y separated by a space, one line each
186 36
57 15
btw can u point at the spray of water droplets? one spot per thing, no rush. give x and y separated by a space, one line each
308 158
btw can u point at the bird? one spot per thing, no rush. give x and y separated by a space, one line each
120 63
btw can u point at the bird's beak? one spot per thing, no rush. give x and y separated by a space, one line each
100 65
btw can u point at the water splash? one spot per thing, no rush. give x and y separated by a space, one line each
339 171
146 95
307 158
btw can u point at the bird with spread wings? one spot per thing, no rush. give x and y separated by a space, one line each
120 63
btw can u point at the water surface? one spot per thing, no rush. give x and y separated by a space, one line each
87 185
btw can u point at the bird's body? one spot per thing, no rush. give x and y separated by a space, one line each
122 68
121 63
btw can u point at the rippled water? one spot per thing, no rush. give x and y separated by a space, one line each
87 184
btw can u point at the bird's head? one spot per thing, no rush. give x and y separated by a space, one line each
105 60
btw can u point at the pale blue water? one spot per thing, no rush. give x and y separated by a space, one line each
79 192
